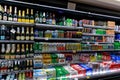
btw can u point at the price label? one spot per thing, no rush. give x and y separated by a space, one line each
96 43
88 77
88 42
46 38
74 51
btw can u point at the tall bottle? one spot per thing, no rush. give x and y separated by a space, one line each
8 48
37 17
7 33
19 16
12 33
43 18
27 51
2 36
31 34
50 19
40 17
18 33
5 15
13 51
3 50
10 18
27 16
15 17
53 19
23 16
18 51
22 51
47 18
32 17
23 34
27 33
1 12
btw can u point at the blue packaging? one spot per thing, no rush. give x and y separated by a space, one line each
88 69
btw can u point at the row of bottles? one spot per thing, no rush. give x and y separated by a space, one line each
16 51
17 76
16 33
7 14
15 65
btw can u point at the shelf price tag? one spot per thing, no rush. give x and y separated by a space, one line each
96 43
46 38
88 43
88 77
74 51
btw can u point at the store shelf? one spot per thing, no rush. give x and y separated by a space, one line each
16 41
117 40
97 43
103 75
15 23
117 31
74 51
57 39
15 72
21 59
47 26
59 9
96 27
90 34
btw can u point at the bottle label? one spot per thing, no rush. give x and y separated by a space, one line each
18 37
2 37
15 19
27 21
31 21
0 16
5 18
9 18
22 38
19 20
44 19
27 37
40 20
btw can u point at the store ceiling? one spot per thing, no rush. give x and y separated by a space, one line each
108 4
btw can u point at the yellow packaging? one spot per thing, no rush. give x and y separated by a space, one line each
46 56
47 61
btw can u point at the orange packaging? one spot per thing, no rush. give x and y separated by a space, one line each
111 24
110 32
47 61
46 56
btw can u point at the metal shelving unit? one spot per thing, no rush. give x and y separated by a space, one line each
97 27
90 34
57 39
15 23
12 72
16 41
47 26
97 42
75 51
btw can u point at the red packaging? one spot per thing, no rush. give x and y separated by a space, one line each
79 69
